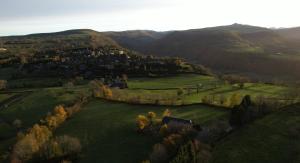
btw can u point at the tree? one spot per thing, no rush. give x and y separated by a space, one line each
166 113
31 143
142 122
107 92
58 117
60 147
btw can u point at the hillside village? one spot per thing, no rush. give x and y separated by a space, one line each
92 63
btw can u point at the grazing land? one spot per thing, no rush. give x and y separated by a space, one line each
164 91
108 129
275 138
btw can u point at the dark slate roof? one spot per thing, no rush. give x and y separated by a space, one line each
167 120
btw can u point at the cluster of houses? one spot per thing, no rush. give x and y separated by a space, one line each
95 63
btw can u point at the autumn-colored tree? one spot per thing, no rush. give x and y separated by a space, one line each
41 133
25 148
60 113
107 92
142 121
30 143
151 116
166 113
59 147
58 117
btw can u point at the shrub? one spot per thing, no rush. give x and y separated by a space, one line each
63 146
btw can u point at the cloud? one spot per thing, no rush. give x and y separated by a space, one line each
21 9
32 16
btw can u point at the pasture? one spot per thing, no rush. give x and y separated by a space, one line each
275 138
164 91
107 130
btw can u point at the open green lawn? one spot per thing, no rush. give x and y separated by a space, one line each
150 90
107 130
275 138
170 82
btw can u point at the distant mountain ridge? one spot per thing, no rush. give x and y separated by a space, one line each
260 52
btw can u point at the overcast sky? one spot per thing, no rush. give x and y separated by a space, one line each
35 16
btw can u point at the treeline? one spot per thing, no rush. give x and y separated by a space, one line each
38 144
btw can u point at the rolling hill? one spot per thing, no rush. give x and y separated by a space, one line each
261 53
56 41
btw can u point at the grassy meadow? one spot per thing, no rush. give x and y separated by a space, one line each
163 91
275 138
108 130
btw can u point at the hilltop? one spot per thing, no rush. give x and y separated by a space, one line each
262 53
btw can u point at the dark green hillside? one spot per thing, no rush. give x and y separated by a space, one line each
255 51
275 138
289 33
29 44
137 39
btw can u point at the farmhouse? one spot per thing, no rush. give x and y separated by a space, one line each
167 120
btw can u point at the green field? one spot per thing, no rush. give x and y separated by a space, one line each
275 138
30 110
170 82
108 130
149 90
